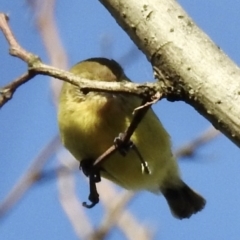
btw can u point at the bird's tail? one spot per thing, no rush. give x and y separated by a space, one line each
182 200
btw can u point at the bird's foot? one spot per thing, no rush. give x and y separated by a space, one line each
86 165
124 149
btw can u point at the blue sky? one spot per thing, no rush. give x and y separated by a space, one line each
28 122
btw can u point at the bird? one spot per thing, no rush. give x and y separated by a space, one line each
89 121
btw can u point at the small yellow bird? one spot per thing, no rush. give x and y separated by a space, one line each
90 121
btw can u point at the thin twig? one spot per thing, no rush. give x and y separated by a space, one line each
15 49
36 66
155 99
6 93
138 116
124 140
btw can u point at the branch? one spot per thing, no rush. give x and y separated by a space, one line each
142 90
35 67
185 59
14 48
139 114
7 92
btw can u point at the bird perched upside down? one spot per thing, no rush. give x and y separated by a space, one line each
90 121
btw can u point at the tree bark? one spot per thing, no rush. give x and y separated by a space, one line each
187 63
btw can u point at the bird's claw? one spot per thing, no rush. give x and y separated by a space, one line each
123 147
86 165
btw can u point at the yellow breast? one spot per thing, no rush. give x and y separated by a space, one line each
88 129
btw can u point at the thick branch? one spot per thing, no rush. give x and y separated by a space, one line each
187 61
183 59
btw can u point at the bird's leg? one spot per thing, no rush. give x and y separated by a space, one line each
144 164
123 148
93 173
86 166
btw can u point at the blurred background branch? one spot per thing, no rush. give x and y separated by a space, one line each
189 149
30 177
